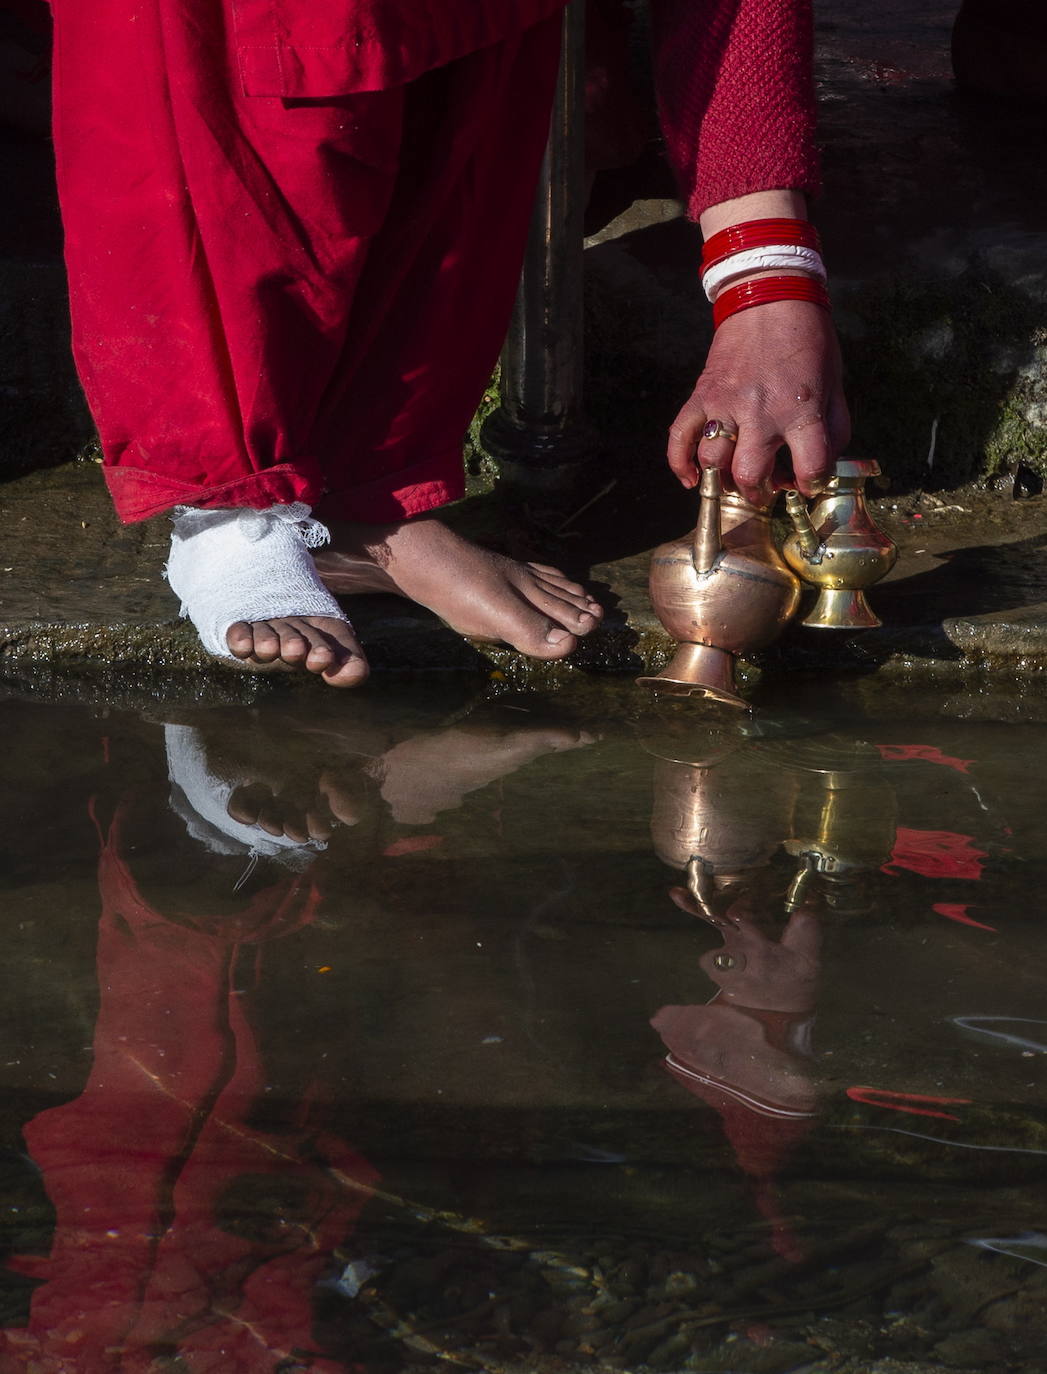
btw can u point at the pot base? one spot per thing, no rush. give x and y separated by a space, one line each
841 609
698 670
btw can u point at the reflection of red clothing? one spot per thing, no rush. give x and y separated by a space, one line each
139 1165
936 854
760 1089
294 229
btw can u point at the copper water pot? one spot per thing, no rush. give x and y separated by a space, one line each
837 548
720 592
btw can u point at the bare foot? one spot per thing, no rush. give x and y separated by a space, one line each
319 644
484 595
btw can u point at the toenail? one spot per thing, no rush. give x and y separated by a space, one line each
557 636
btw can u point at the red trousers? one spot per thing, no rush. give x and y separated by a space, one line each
275 299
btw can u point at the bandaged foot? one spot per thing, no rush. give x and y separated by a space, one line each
247 581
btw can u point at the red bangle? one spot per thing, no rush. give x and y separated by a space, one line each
758 233
762 290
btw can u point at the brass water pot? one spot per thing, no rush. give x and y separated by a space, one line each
720 592
837 548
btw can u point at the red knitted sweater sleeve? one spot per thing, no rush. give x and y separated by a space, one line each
736 96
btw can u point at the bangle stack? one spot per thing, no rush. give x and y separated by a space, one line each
780 245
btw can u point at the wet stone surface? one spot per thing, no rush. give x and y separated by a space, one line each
522 1033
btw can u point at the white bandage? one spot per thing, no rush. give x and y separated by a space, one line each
201 798
252 565
774 257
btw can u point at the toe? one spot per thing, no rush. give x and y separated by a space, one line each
266 642
271 818
245 803
543 637
295 647
334 652
320 825
317 651
578 619
296 826
350 672
343 801
561 586
240 639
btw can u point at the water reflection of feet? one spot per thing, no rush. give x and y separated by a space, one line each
435 771
294 784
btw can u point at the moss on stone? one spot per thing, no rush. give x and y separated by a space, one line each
956 357
480 469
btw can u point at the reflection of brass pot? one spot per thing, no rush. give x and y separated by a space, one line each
838 549
732 814
845 817
846 825
721 592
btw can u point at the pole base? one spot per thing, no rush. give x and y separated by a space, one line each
698 670
536 458
841 609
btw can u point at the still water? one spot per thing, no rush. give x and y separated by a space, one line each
505 1033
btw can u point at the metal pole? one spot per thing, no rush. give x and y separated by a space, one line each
538 434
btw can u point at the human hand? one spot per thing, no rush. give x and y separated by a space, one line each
773 377
774 975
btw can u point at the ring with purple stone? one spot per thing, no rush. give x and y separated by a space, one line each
716 429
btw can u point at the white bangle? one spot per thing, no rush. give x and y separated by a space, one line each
774 256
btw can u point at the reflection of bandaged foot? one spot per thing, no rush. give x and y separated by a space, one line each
204 800
248 583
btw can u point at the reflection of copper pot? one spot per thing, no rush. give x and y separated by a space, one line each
721 592
732 815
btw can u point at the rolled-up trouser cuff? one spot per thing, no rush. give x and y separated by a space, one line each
137 493
397 496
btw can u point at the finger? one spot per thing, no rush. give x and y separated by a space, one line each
812 453
803 935
681 450
839 422
719 452
753 465
683 899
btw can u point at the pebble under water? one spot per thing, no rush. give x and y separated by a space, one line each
418 1029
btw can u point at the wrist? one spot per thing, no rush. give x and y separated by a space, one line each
781 204
774 243
767 289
